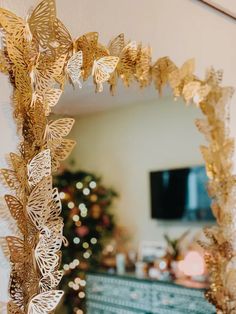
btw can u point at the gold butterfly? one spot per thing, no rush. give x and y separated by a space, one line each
57 129
53 222
88 44
18 164
126 66
39 24
212 164
45 302
4 247
5 65
47 99
39 167
12 308
160 72
54 205
143 66
179 77
21 53
64 43
17 249
102 70
45 71
17 211
10 178
204 127
81 51
214 77
51 281
195 91
46 254
74 68
16 289
221 107
60 150
116 45
38 200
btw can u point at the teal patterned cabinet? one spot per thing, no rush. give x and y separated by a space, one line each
110 294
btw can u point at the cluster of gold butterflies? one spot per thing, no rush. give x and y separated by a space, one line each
40 56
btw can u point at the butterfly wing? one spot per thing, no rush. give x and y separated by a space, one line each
64 43
41 22
12 308
38 200
116 45
10 22
39 167
11 179
59 128
87 44
46 71
103 68
16 289
126 66
50 282
45 302
160 72
17 212
16 248
73 67
46 254
61 152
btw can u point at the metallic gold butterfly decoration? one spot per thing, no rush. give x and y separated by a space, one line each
102 69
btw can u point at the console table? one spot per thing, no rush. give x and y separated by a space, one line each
111 294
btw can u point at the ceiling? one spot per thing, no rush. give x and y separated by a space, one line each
180 29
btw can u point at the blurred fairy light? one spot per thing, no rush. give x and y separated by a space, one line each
92 184
82 283
66 267
79 312
82 206
76 240
79 185
86 191
85 245
70 284
72 265
62 195
76 287
81 295
75 218
86 255
71 205
76 262
93 240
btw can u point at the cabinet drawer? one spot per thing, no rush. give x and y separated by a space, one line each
179 300
119 292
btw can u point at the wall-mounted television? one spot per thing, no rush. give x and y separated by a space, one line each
180 194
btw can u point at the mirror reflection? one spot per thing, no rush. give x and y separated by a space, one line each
134 196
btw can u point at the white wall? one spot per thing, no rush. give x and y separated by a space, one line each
123 145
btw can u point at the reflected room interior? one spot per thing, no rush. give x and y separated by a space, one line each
134 195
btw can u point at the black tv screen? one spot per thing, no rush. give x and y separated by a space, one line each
180 194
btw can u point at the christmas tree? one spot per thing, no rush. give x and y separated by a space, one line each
89 223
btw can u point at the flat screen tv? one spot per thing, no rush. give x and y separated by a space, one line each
180 194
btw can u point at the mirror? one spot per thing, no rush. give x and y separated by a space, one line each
121 139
